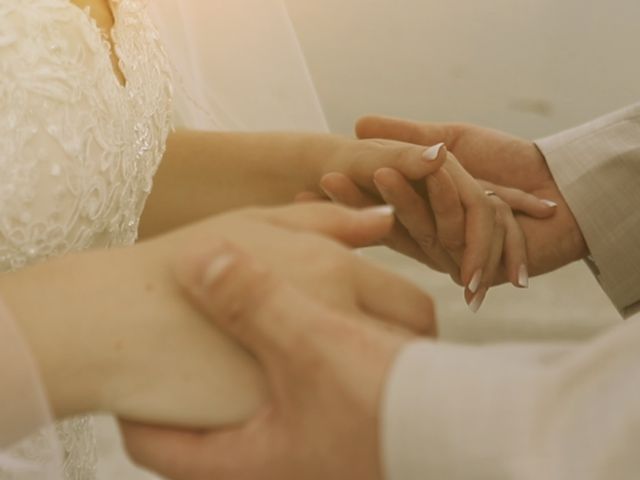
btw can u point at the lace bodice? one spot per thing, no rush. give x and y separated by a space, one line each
78 150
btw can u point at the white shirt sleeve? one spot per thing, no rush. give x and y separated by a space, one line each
516 412
545 411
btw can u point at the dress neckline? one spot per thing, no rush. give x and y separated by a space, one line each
107 39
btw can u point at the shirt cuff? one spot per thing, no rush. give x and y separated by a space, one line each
597 168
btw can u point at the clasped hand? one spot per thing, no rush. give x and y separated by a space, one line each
447 219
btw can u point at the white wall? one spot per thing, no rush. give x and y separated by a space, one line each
529 66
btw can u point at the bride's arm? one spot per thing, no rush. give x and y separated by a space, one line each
209 172
111 330
204 173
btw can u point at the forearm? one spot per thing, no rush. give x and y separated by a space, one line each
203 173
597 168
65 308
110 331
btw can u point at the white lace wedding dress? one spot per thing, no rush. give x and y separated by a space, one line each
78 149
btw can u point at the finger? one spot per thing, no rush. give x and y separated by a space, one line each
522 201
401 241
308 197
341 189
356 228
388 296
171 453
412 161
404 130
247 301
515 252
412 211
448 213
480 223
475 297
234 454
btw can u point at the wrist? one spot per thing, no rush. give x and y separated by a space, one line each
57 306
322 155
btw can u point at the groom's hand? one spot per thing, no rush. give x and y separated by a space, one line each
306 245
504 161
325 371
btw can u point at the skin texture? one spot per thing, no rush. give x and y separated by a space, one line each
205 173
505 163
448 222
127 341
325 372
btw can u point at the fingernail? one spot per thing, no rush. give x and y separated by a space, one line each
475 281
328 194
216 268
432 153
549 203
476 302
523 276
382 211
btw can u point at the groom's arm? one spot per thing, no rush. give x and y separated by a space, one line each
515 412
597 168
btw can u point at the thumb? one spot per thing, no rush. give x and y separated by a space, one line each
356 228
180 454
245 300
403 130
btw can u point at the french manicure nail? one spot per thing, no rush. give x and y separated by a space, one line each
382 211
549 203
216 268
432 153
328 194
475 281
476 302
523 276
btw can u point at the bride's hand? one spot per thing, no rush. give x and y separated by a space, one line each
451 222
112 330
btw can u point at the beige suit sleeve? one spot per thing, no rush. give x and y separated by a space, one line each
597 167
522 412
515 412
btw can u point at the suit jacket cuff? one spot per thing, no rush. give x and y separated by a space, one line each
597 168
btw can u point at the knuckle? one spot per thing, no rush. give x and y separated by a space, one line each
503 208
426 240
332 262
249 293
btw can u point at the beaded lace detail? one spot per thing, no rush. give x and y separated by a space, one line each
78 150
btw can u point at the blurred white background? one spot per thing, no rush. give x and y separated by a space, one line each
531 67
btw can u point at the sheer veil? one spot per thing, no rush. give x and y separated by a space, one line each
238 65
23 410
